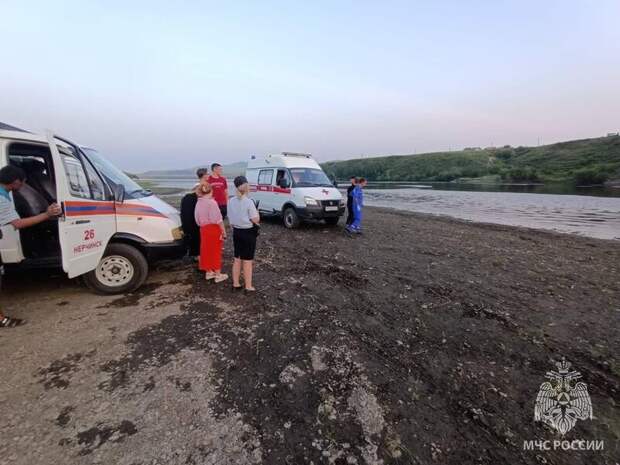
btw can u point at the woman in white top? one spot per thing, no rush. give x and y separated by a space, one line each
244 219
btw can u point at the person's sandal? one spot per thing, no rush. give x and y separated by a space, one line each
8 322
218 278
237 288
249 290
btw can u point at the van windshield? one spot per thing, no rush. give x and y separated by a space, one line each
309 177
116 177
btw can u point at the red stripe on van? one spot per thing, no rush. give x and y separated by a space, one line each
86 208
264 188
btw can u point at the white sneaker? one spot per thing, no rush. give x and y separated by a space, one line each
220 277
210 275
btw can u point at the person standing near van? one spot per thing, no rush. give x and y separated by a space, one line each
220 187
212 233
191 231
350 199
358 205
244 220
11 179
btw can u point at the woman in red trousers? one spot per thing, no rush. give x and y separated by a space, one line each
212 234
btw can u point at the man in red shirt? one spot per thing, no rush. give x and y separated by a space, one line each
220 187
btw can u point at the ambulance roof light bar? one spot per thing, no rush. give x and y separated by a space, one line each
293 154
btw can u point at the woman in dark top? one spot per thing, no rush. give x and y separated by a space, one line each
191 231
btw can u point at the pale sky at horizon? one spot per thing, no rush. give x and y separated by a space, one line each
154 85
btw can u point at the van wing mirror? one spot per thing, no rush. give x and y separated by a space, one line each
119 193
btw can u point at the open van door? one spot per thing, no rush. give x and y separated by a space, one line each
89 220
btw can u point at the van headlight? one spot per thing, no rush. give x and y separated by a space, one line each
311 202
177 234
342 202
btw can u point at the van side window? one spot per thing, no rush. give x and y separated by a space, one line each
265 177
78 183
97 187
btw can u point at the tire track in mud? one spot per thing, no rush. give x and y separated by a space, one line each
250 372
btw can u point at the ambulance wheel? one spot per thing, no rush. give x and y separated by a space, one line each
291 219
332 221
123 268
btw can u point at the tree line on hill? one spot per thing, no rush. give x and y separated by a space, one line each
582 162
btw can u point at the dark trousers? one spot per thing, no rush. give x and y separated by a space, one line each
192 242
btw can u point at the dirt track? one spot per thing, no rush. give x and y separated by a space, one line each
423 341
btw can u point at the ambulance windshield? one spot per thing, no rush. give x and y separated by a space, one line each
309 177
115 176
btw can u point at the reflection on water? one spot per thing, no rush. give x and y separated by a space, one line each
594 213
578 214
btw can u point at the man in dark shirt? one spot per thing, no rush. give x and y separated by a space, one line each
191 231
350 200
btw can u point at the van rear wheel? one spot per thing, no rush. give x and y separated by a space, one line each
122 268
291 219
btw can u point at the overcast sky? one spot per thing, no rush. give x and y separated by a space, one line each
176 84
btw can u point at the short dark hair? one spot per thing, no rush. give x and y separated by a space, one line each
11 173
214 165
353 177
200 172
361 180
240 180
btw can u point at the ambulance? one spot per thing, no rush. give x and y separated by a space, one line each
110 228
294 187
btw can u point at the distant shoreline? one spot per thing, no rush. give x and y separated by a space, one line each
610 189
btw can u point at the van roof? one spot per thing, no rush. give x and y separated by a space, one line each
11 132
284 159
8 127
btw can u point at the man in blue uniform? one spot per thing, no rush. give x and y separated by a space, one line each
358 203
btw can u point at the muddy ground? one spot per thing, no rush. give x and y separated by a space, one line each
423 341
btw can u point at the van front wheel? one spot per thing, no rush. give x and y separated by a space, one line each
123 268
291 219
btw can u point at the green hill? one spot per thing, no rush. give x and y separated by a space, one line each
583 162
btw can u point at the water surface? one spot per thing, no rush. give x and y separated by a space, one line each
593 211
577 214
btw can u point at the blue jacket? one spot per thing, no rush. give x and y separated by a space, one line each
358 197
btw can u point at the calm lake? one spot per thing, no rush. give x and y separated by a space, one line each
593 212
